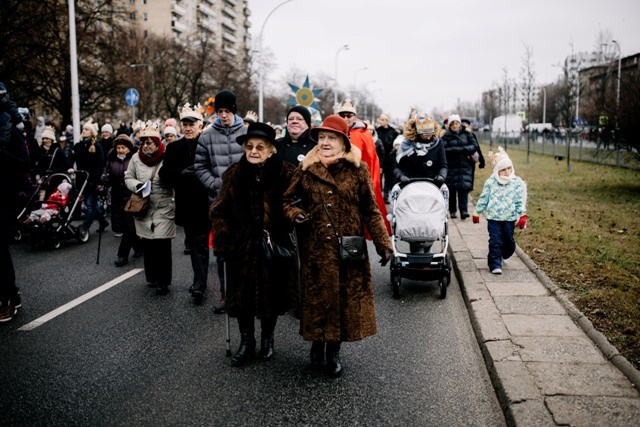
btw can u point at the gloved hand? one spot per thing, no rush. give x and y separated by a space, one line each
385 257
404 178
20 126
522 222
439 180
475 218
481 165
189 170
301 219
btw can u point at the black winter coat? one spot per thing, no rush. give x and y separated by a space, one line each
249 202
295 152
53 160
115 168
192 200
459 147
93 163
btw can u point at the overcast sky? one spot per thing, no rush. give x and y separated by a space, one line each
432 53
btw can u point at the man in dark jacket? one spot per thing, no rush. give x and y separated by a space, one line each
298 141
217 150
14 164
192 201
387 135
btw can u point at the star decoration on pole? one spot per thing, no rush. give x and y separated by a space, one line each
304 95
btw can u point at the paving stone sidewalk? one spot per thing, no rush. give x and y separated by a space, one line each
548 364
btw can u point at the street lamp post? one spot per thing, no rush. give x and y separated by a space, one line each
544 104
335 89
260 67
153 86
355 78
618 90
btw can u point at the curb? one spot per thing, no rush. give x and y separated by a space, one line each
607 349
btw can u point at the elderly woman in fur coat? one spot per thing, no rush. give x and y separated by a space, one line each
337 302
249 205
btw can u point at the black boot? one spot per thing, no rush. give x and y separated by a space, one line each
268 325
317 355
247 348
333 367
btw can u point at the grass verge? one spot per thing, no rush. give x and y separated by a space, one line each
583 231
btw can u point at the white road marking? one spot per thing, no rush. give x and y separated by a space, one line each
68 306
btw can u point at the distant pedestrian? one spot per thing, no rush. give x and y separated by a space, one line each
387 134
504 202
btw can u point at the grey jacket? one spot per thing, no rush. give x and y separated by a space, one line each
217 150
159 222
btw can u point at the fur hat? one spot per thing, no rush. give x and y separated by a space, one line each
499 160
170 130
107 128
91 127
334 124
259 130
346 106
150 131
226 99
49 133
303 111
64 187
187 114
454 118
123 140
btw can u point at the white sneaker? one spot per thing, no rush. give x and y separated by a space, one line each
497 271
505 261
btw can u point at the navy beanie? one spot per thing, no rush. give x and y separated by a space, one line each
303 111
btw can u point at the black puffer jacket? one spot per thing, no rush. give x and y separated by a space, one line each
295 152
459 146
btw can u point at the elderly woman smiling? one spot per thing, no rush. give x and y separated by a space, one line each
337 199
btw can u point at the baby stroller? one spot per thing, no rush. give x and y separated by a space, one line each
420 235
59 227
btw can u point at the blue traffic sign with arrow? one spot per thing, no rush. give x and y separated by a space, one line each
131 97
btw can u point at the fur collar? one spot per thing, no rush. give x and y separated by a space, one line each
353 156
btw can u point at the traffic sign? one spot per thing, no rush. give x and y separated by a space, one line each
132 96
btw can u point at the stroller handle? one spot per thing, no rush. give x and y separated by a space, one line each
420 179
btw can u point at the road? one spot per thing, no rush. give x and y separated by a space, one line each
126 356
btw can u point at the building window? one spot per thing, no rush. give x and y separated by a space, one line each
132 16
144 16
132 1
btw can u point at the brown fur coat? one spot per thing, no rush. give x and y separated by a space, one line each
337 302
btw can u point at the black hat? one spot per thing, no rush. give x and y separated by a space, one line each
123 140
226 99
304 112
260 130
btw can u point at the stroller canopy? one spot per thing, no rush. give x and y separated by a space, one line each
419 213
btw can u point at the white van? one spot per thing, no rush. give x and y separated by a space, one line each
507 127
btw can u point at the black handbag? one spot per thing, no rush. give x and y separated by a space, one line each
352 249
283 250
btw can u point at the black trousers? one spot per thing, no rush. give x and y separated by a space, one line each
197 239
129 240
7 272
157 261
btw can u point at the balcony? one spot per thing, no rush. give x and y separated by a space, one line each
230 50
231 12
205 10
178 26
207 25
227 22
232 3
229 37
179 10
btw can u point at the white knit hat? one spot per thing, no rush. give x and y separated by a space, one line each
49 133
170 130
499 160
107 128
454 118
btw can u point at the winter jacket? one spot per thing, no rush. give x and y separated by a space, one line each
217 150
192 201
295 152
116 169
337 300
93 163
387 135
52 160
459 146
159 222
502 202
419 160
250 202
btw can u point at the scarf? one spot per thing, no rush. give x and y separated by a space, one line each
419 148
155 157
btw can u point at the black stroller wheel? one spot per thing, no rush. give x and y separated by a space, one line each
55 244
395 283
17 236
82 234
443 287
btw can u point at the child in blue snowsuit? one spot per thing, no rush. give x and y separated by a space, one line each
504 203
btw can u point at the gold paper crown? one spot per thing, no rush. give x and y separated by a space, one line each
150 130
188 113
346 106
425 126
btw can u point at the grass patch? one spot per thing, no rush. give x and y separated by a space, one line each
583 231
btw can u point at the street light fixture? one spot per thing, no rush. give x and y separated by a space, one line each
260 67
355 75
618 90
153 86
335 89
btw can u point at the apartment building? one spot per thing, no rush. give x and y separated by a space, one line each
226 22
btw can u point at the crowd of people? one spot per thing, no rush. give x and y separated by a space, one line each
274 201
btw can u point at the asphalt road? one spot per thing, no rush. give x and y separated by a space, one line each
129 357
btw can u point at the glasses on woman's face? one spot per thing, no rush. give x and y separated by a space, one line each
346 115
259 147
147 141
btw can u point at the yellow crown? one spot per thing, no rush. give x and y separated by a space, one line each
191 113
346 106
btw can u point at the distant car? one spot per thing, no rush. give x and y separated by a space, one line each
485 128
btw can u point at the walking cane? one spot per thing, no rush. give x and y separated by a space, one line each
226 315
99 242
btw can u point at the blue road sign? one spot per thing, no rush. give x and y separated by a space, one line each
132 96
